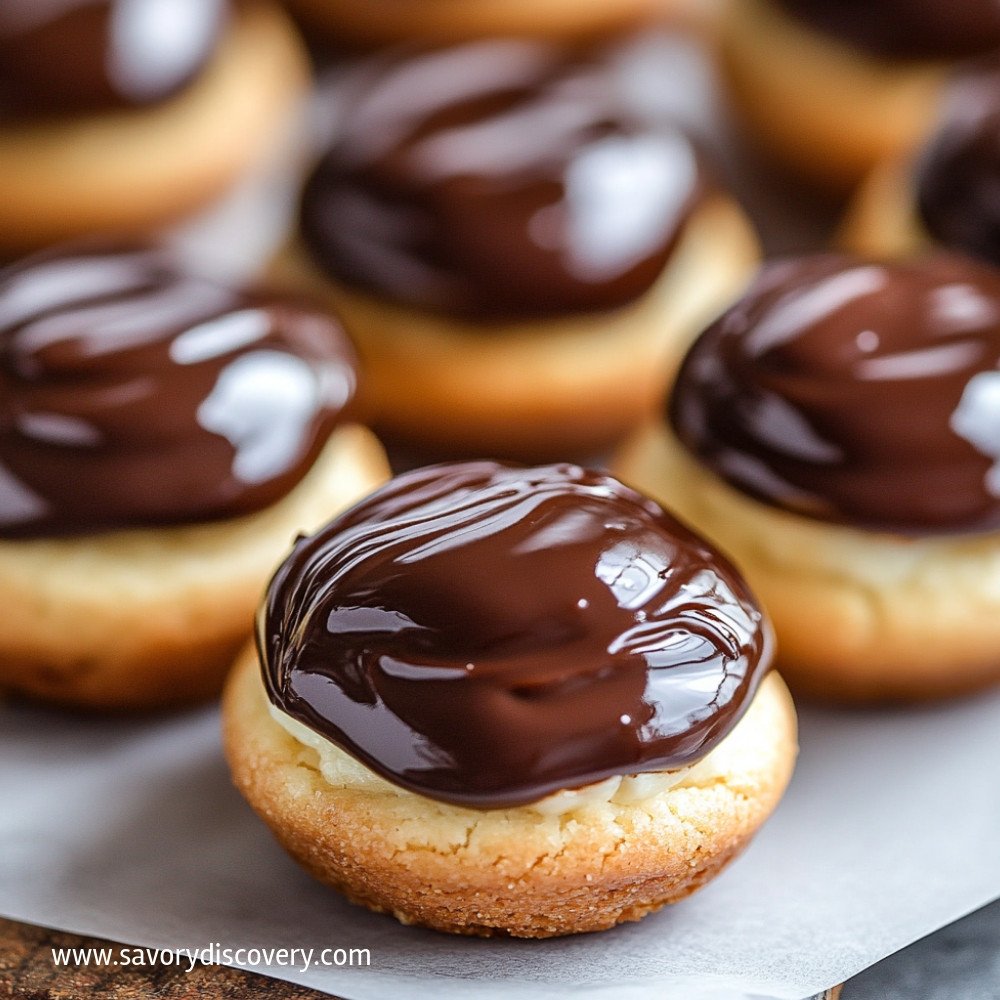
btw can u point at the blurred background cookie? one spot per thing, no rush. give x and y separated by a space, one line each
945 192
521 253
835 433
831 89
162 440
344 22
107 128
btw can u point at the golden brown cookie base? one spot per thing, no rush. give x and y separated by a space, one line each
509 872
133 171
824 110
861 617
152 618
882 221
548 389
347 22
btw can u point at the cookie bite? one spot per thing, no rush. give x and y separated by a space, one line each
344 22
162 441
835 434
832 89
944 193
503 700
106 128
520 254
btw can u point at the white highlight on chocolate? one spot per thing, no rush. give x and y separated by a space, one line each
977 420
157 42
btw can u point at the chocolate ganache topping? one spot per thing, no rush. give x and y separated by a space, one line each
77 56
134 394
499 180
906 29
485 635
861 393
958 198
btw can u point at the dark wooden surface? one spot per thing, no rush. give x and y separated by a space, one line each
27 972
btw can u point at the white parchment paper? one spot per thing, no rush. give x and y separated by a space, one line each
130 830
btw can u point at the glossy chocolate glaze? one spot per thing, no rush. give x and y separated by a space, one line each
133 394
856 392
906 29
498 180
61 57
958 198
485 635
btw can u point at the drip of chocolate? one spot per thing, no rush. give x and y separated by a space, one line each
66 57
958 198
861 393
485 635
499 180
906 29
134 394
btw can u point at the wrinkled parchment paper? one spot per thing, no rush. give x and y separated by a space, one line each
130 830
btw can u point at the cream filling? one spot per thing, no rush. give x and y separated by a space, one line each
340 770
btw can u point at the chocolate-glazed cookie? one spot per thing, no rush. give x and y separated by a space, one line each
956 174
906 29
133 393
520 251
502 700
86 56
866 394
484 634
128 116
499 180
834 89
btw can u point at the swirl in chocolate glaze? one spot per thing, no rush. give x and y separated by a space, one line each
861 393
499 180
958 198
485 635
906 29
61 57
134 394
